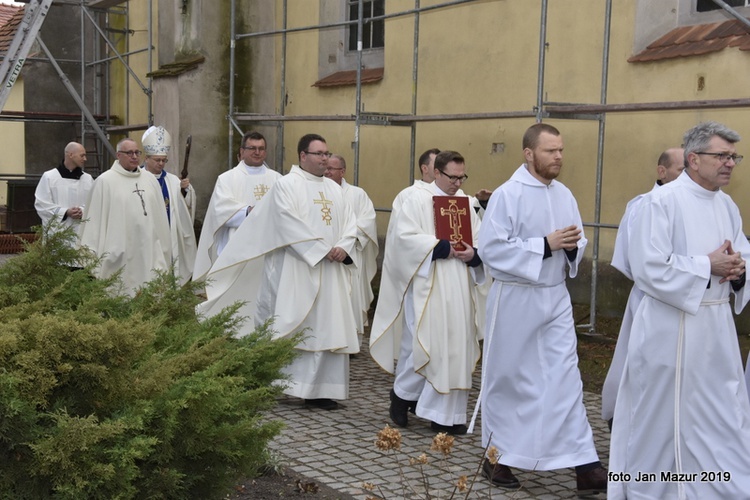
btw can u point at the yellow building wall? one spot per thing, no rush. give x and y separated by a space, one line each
483 57
12 140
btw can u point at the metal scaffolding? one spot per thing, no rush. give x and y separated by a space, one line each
543 109
90 87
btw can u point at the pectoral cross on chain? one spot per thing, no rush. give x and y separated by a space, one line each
140 195
325 209
455 222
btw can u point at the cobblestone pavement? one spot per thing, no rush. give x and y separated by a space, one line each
337 447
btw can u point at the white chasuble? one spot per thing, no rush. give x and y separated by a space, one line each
682 406
125 224
532 394
367 249
276 263
234 191
443 298
399 200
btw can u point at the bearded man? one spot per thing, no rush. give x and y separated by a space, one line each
532 395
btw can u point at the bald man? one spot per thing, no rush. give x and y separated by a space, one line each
62 192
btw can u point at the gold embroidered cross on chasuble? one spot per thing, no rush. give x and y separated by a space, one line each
325 210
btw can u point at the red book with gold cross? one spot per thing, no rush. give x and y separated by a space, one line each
453 220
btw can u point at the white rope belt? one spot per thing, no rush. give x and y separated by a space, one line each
524 285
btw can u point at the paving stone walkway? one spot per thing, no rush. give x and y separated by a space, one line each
337 447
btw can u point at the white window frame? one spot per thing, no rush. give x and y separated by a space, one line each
353 28
333 42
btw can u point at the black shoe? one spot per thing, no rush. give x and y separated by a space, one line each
399 409
322 403
592 482
413 407
453 430
500 475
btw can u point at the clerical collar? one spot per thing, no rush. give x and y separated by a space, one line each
76 173
312 174
253 170
307 175
440 192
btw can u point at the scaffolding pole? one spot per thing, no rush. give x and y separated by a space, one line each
542 58
282 106
72 91
542 110
232 69
414 79
599 172
99 100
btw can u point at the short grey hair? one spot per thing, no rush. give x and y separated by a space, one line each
119 143
697 138
340 159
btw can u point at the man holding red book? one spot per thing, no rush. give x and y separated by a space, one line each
428 315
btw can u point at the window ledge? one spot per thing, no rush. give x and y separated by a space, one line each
346 78
696 40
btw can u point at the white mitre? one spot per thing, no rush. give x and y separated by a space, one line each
156 141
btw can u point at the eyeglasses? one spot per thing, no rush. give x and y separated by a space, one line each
132 154
254 149
334 168
319 154
723 157
160 160
454 178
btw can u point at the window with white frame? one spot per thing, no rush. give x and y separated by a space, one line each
338 45
373 31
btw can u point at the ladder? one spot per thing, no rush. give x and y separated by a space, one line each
10 69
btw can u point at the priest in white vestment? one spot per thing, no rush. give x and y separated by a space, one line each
367 242
670 165
682 416
176 192
125 223
427 311
235 194
288 261
62 192
427 169
532 394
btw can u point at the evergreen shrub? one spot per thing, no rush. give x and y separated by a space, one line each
107 396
